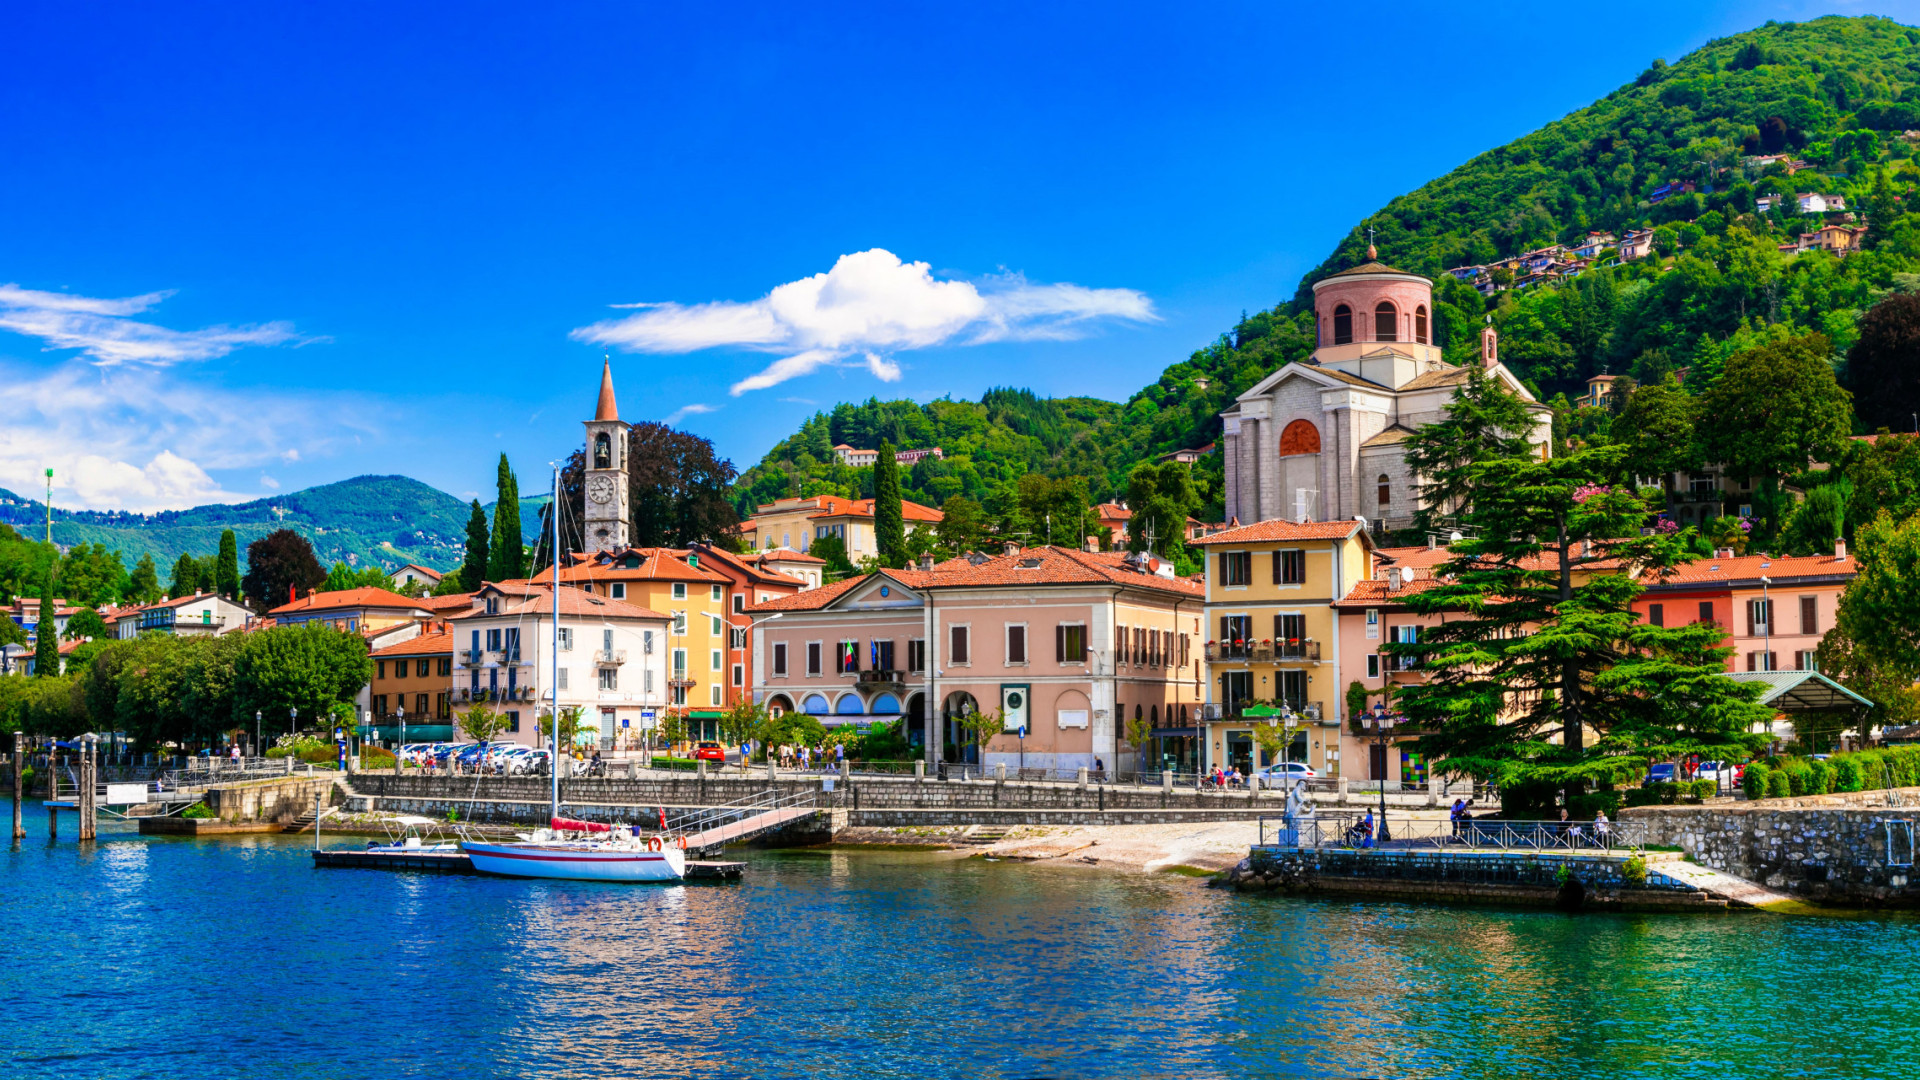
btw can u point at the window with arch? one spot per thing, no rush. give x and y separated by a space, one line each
1342 325
1386 322
1154 716
602 451
1420 324
1385 493
1299 437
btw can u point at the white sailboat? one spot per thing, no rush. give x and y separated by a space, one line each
569 849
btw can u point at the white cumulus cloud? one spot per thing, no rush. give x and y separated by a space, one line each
868 306
685 411
103 329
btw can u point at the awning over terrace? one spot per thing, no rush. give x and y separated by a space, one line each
1802 691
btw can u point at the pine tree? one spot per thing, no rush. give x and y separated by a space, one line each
143 587
889 520
1541 648
226 574
473 571
46 642
186 578
507 558
1483 422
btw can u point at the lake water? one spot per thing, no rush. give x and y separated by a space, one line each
200 958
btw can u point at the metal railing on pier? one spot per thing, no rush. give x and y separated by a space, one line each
1346 829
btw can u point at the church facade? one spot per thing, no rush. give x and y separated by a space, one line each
1324 440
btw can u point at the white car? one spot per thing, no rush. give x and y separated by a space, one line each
1284 774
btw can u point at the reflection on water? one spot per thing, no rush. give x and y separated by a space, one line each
168 957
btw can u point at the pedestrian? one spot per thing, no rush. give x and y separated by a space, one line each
1366 829
1602 829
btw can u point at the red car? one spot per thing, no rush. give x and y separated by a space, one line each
710 751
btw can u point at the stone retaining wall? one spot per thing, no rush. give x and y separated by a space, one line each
1299 873
268 800
1838 855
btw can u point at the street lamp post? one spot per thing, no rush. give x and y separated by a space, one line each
1382 734
258 750
293 720
401 713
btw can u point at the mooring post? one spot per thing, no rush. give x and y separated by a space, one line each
19 790
53 790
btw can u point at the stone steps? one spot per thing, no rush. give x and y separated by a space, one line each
985 835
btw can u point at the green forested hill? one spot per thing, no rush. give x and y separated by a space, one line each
1836 92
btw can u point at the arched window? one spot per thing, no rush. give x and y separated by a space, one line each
1386 490
1154 716
1342 325
1299 437
1386 322
602 451
1420 324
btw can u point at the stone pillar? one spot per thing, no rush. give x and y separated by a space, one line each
920 770
1083 778
701 767
1436 789
1000 771
1340 791
1166 780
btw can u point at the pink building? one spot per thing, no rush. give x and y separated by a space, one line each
1072 647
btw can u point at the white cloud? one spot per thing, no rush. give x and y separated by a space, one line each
868 305
290 455
102 330
685 411
269 482
137 438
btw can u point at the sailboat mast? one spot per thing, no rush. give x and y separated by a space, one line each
553 679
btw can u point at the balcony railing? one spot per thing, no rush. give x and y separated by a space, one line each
610 657
473 656
880 675
680 680
1402 663
1296 649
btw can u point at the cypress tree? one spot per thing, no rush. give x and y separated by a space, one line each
46 644
508 557
889 517
186 578
226 572
474 570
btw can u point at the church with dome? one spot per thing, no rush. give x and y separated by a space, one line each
1323 440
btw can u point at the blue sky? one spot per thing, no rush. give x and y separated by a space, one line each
249 248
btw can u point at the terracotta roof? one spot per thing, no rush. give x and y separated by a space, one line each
833 506
1750 568
789 555
656 564
1027 567
1375 593
1392 436
573 602
1420 555
1370 267
424 645
1112 512
346 598
1280 529
449 602
426 571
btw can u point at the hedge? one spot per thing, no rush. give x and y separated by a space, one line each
1667 792
1854 771
1778 785
1758 775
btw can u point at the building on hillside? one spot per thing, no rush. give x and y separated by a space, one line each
803 568
204 613
1599 393
1116 517
1322 440
865 458
415 574
797 523
1636 244
612 661
1775 610
695 598
1836 239
1596 242
1669 189
414 680
1271 637
1696 497
1188 457
939 643
354 610
1809 202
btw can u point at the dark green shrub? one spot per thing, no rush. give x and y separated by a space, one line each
197 810
1756 780
1821 781
1778 784
1704 789
1586 804
1641 796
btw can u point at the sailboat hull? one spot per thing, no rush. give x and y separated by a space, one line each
577 862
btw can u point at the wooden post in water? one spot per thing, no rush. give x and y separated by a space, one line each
89 768
19 764
53 789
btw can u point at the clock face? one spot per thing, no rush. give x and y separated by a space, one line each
600 489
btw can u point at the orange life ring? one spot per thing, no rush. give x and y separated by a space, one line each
683 843
654 844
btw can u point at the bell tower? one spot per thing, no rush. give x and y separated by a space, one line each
606 481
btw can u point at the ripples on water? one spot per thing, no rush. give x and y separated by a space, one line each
169 958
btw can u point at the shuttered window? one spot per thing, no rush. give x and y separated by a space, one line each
957 653
1809 615
1070 643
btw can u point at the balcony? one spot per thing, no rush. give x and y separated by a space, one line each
1297 649
473 657
1293 650
1401 663
880 676
680 681
610 657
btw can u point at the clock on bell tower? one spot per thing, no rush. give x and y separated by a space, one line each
606 510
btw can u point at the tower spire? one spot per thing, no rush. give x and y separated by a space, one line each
607 410
1373 254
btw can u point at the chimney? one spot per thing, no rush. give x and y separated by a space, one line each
1010 548
1840 548
926 562
1393 579
1091 544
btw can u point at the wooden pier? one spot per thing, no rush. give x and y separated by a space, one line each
454 862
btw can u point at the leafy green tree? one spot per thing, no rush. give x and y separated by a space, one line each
962 527
889 521
480 723
87 623
1656 427
1541 676
570 727
1880 369
474 570
1817 522
1051 511
186 578
226 572
308 667
506 558
90 574
833 550
12 633
280 567
46 642
1777 408
1880 610
1140 737
143 587
343 577
1162 497
1483 422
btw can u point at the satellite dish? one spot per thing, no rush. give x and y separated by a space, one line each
1454 537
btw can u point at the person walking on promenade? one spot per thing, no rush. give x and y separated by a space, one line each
1602 829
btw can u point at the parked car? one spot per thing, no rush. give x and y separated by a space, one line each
1661 772
531 763
710 751
1283 774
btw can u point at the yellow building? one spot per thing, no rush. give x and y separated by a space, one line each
672 582
1272 638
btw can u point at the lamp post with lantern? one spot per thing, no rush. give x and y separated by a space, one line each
1381 728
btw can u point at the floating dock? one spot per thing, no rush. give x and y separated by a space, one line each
454 862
